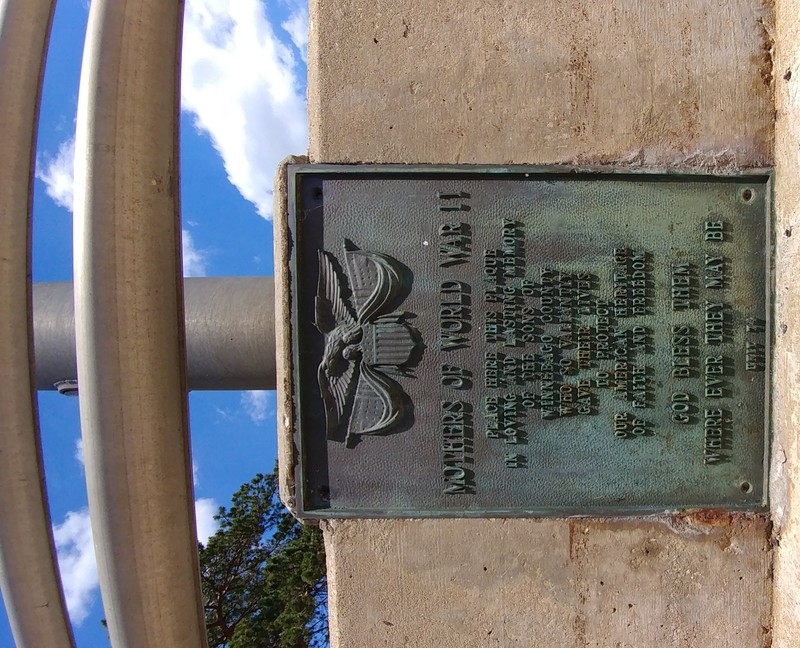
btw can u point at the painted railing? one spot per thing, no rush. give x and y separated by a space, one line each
129 325
129 331
28 572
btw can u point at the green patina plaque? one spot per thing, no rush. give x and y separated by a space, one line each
474 341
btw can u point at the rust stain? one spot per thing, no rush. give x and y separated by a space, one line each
571 538
764 58
721 527
579 625
577 551
579 70
704 524
688 106
707 517
578 539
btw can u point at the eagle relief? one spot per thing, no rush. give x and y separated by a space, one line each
367 342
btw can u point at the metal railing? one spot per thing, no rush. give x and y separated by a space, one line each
129 345
129 325
230 334
28 571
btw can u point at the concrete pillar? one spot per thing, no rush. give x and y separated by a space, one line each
785 478
679 85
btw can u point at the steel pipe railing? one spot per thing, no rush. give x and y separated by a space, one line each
29 576
230 338
129 325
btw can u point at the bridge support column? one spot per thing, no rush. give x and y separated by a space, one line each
677 85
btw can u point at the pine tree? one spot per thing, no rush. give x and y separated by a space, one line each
263 575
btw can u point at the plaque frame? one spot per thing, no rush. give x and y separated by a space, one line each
297 174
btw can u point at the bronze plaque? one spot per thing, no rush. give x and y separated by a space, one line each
478 341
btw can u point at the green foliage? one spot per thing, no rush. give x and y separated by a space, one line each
263 574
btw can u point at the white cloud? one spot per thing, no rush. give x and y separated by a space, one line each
59 181
224 414
241 84
194 260
204 509
297 28
79 451
76 559
259 405
73 538
239 81
58 174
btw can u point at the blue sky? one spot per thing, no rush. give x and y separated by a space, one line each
243 110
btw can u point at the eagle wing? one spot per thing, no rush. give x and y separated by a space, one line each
378 406
337 394
330 310
376 282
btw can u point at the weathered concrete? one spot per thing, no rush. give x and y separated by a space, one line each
680 84
475 584
283 345
785 477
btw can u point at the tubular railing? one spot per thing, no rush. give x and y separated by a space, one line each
28 572
129 325
120 336
230 338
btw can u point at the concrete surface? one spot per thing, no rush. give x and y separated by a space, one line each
555 583
677 84
785 478
283 343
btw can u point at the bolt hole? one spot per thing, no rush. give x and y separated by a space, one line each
746 487
788 232
787 75
747 195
